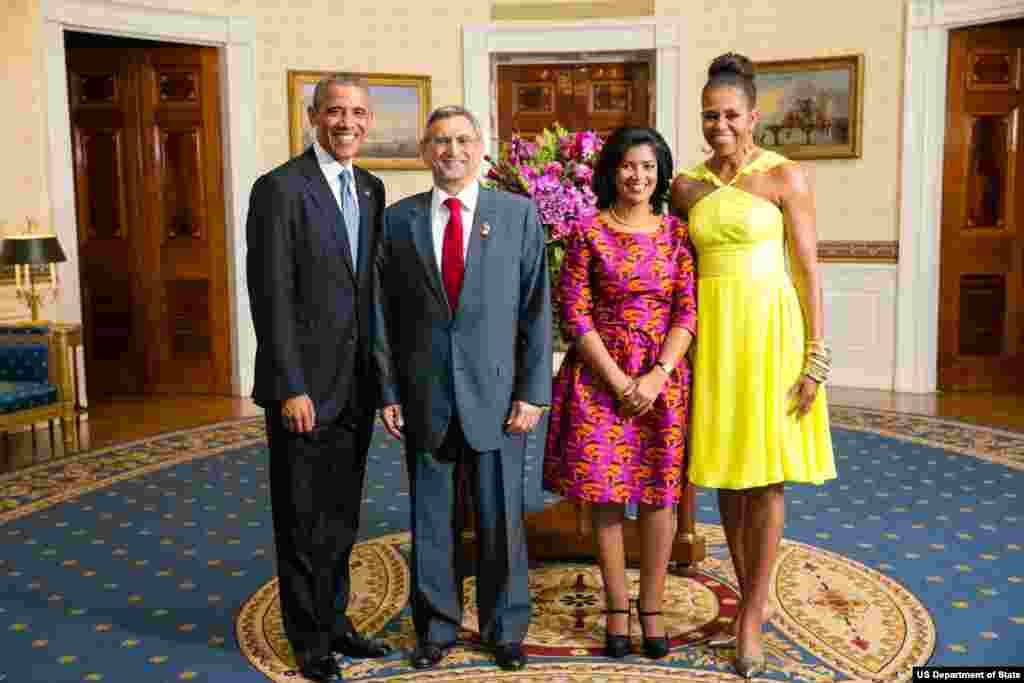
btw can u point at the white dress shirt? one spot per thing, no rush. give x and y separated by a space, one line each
331 169
439 217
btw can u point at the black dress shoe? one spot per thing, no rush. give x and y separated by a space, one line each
427 655
325 670
510 656
356 646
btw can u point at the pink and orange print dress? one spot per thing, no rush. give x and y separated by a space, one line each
632 288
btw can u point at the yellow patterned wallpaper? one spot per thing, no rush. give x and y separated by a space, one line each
568 10
857 198
394 36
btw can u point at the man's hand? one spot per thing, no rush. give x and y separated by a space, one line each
298 414
523 417
393 422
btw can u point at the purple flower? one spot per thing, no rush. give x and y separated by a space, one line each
553 168
584 174
586 144
560 188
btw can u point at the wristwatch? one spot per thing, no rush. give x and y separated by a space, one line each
666 367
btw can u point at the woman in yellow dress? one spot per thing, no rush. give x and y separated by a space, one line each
759 417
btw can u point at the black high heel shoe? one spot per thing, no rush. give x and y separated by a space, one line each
655 647
617 645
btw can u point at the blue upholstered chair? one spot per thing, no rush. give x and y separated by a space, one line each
35 380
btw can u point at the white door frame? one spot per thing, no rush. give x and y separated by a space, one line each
481 41
234 38
924 135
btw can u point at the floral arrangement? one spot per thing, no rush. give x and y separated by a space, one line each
555 170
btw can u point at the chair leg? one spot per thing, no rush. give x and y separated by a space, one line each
53 440
70 431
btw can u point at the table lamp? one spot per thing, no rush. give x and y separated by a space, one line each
25 251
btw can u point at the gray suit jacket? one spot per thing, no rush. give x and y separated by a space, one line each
496 349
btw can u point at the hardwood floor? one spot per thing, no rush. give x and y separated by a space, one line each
1002 411
125 419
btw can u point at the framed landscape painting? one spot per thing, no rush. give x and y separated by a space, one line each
811 108
400 102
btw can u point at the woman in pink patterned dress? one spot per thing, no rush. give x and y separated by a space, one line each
620 406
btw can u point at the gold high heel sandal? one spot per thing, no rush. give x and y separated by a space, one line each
748 667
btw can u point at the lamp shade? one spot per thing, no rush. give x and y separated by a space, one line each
30 249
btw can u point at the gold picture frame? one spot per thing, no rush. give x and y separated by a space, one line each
400 102
811 108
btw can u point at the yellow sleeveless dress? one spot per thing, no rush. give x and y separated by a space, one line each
749 346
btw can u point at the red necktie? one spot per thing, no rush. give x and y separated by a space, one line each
451 253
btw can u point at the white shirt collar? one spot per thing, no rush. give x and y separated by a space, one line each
468 196
330 166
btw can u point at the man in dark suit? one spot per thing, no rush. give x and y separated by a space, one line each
312 231
462 342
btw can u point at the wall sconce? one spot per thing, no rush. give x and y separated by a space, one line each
25 251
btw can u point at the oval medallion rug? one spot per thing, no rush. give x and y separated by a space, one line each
836 619
154 561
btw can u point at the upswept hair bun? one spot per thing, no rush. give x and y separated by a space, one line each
734 70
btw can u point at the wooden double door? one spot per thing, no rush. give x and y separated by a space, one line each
599 97
981 297
146 142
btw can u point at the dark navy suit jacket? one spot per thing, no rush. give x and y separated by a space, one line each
311 306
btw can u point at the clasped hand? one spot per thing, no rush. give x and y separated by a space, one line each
639 397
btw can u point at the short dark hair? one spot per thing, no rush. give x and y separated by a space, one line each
449 111
340 80
614 151
734 70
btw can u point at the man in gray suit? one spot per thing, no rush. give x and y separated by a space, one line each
462 343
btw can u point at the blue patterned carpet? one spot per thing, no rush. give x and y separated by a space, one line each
133 563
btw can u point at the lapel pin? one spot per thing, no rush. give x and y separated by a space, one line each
366 193
485 230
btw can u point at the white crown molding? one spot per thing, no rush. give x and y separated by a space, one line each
924 115
954 13
234 36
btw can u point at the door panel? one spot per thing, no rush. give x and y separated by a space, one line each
105 142
601 97
981 313
188 289
159 307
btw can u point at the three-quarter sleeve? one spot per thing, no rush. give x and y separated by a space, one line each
575 294
684 297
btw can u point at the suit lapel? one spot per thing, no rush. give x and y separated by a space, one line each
484 214
324 199
423 238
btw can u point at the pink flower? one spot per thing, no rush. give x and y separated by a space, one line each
560 186
553 168
584 174
586 144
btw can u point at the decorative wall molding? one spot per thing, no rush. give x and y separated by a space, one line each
860 317
839 251
924 115
235 37
481 41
